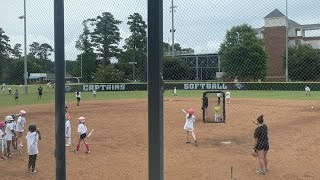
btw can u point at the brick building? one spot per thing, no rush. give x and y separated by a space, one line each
274 35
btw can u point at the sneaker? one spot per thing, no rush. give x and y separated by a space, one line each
261 172
68 145
196 143
187 142
87 152
75 151
32 172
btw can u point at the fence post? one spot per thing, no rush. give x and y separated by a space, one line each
60 152
155 89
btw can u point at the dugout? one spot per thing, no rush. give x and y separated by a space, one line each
213 107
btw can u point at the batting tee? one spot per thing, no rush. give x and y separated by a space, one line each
213 107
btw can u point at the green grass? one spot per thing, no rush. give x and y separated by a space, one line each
48 95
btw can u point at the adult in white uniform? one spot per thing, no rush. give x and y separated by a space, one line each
307 89
78 96
228 97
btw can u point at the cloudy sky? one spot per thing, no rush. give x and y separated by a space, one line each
200 24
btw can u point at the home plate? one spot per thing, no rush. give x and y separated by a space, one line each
226 142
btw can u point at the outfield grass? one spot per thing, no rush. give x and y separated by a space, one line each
48 95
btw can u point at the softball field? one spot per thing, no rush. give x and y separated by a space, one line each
119 148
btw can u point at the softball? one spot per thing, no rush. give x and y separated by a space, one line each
312 107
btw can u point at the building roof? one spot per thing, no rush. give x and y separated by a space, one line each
292 23
275 13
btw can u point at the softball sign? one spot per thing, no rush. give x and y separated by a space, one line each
205 86
104 87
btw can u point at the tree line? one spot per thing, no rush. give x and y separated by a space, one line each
242 55
99 46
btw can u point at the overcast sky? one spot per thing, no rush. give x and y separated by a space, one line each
200 24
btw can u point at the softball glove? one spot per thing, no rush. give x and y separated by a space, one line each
254 153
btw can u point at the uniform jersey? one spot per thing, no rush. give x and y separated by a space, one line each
82 129
1 135
261 134
68 126
188 126
218 95
174 90
78 95
32 143
9 133
307 89
227 94
94 92
20 124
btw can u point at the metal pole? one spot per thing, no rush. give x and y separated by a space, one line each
287 24
172 29
81 64
155 91
25 49
133 65
59 89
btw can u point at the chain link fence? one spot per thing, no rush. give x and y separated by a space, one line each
264 54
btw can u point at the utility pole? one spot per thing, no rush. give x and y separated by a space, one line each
172 29
25 76
287 24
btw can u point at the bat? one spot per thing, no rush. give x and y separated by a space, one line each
90 133
183 110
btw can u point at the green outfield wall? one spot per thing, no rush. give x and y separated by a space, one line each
195 86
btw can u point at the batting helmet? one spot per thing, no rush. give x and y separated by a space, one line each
9 118
191 111
82 119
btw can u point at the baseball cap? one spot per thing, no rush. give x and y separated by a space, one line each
22 112
81 119
2 124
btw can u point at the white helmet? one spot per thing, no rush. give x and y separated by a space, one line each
8 118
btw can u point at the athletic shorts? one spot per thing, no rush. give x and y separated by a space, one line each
82 136
261 147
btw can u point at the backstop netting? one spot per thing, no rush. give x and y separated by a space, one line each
213 107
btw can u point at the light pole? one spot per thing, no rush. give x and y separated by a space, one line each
172 29
24 17
287 24
81 64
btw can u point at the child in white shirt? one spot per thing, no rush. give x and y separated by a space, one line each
33 137
82 131
2 140
20 127
9 133
68 130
